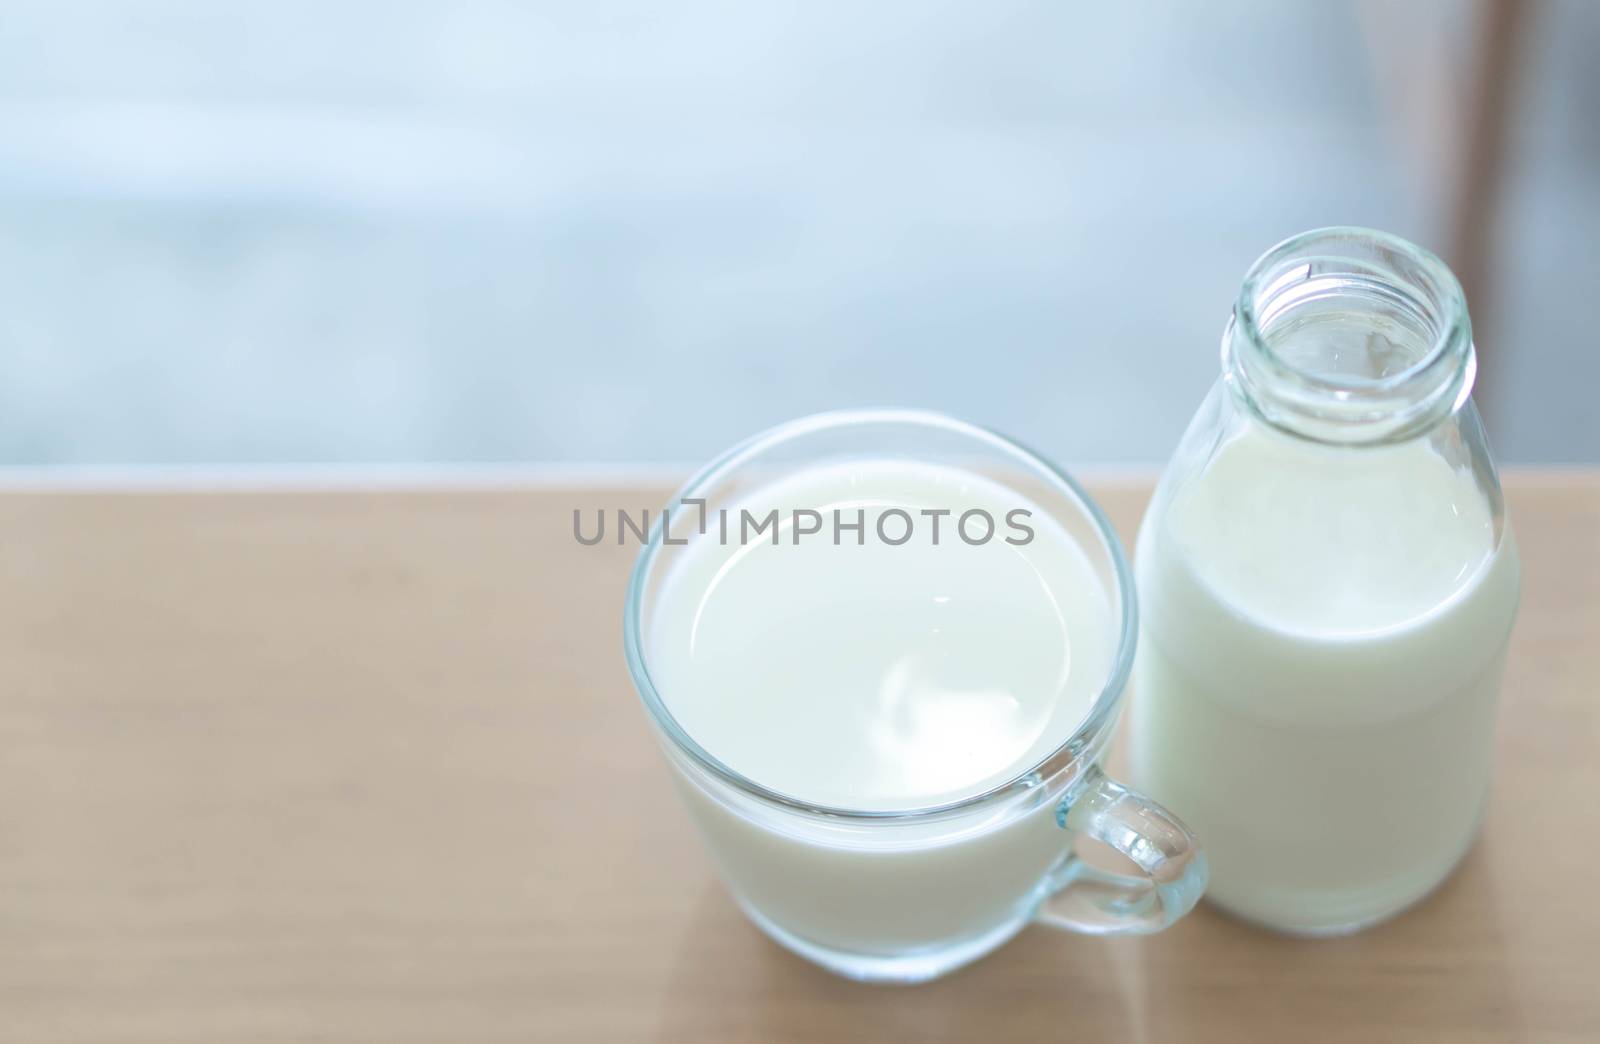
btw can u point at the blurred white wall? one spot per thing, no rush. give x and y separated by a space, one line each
604 232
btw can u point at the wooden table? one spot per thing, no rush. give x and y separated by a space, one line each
328 766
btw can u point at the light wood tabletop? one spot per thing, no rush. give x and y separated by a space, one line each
367 766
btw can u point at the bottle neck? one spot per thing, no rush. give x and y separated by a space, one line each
1350 336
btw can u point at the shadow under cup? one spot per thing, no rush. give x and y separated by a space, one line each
909 894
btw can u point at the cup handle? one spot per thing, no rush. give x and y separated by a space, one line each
1083 898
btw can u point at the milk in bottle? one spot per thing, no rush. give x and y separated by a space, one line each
1327 583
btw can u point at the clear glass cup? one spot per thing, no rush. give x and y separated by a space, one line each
1327 581
910 894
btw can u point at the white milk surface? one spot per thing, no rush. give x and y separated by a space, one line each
876 676
1323 636
881 678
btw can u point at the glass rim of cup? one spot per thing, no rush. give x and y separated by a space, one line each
1088 738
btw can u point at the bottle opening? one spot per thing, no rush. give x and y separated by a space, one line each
1350 335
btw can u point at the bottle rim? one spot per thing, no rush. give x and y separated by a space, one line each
1346 408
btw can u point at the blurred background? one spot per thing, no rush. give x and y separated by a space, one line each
635 232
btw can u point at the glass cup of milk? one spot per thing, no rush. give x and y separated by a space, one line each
1328 580
884 653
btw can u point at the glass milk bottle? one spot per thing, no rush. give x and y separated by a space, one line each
1327 580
